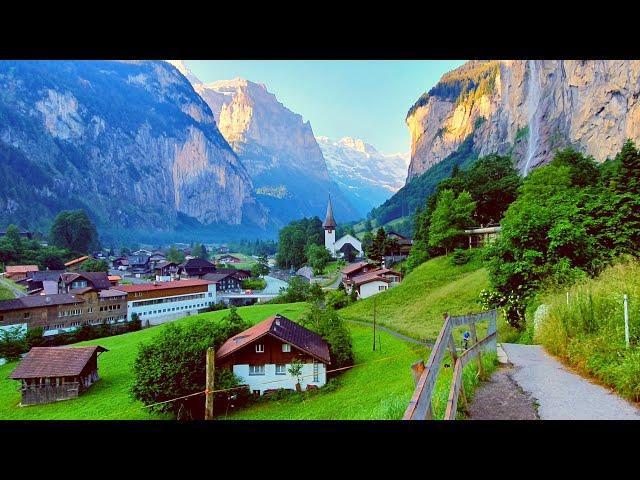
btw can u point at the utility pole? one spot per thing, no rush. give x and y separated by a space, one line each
626 320
374 323
208 405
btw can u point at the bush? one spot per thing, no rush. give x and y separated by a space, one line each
460 256
337 299
12 343
300 291
254 284
332 328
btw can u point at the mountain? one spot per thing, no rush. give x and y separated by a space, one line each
528 109
278 149
186 71
130 142
366 176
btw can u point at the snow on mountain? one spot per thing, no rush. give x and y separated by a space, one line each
184 70
366 175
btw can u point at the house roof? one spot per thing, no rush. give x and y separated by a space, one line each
21 268
114 278
35 301
196 263
111 292
354 267
329 221
100 280
375 275
45 275
76 261
55 362
150 287
233 271
283 329
165 264
216 277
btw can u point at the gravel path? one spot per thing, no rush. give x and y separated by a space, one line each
391 332
500 398
560 393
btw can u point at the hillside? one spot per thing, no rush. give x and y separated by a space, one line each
130 142
416 306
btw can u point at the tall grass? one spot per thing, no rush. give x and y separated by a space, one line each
588 330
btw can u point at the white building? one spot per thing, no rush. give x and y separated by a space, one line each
160 302
263 354
375 281
338 248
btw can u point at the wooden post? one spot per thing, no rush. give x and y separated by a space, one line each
208 408
474 336
454 361
417 369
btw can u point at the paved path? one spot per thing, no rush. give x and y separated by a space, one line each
16 291
273 285
560 393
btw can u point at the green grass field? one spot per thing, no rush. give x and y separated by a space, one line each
5 293
109 399
416 306
246 263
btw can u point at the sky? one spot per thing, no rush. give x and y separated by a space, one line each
366 99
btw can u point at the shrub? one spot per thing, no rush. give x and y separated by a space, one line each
460 256
332 328
337 299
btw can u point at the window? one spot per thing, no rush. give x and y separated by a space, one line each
259 347
316 371
256 369
286 347
382 287
27 315
281 369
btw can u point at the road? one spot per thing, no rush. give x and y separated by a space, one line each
16 291
561 394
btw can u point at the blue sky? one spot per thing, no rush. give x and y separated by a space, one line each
365 99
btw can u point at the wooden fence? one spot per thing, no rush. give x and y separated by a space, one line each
425 376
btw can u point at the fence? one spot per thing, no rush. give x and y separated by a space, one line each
420 407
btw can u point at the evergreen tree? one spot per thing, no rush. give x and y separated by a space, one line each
449 219
628 175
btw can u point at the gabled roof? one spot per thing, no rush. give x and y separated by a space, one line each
21 268
217 277
283 329
165 263
45 275
76 261
55 362
354 267
196 263
100 280
329 221
368 278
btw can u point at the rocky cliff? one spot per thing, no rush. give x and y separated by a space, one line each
527 108
278 148
366 176
131 142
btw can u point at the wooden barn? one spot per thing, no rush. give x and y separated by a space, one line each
49 374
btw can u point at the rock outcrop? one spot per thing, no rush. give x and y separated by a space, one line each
278 149
131 142
527 108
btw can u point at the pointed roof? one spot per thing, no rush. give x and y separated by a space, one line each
329 221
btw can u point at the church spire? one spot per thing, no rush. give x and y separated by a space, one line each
329 222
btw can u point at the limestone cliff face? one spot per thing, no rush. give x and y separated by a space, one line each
527 108
131 142
277 147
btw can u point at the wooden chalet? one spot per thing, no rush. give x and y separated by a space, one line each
228 259
195 268
19 272
354 269
49 374
261 355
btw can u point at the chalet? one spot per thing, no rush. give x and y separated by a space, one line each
19 272
74 265
160 302
239 274
121 263
483 235
83 281
195 268
261 356
143 252
139 265
114 280
42 282
225 282
51 312
398 248
49 374
355 269
374 281
228 259
165 271
155 258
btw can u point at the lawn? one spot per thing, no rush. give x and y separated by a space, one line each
416 306
5 293
109 398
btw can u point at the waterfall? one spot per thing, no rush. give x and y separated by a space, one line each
533 101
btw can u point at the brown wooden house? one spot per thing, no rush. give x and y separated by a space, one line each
49 374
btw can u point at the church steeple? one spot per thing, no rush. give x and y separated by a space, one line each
329 222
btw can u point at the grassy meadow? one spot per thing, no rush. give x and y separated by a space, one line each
588 332
416 306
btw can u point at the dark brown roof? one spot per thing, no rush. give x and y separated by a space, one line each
55 362
329 221
35 301
216 277
354 267
100 280
283 329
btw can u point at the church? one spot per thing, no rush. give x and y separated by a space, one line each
347 246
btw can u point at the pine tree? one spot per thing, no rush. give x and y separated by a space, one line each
629 171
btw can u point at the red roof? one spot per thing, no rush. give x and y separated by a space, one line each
373 276
21 268
283 329
76 261
150 287
55 362
354 266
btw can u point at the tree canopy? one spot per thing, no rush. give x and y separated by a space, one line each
73 230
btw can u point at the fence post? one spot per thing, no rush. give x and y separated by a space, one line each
474 336
210 375
626 320
454 361
417 369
